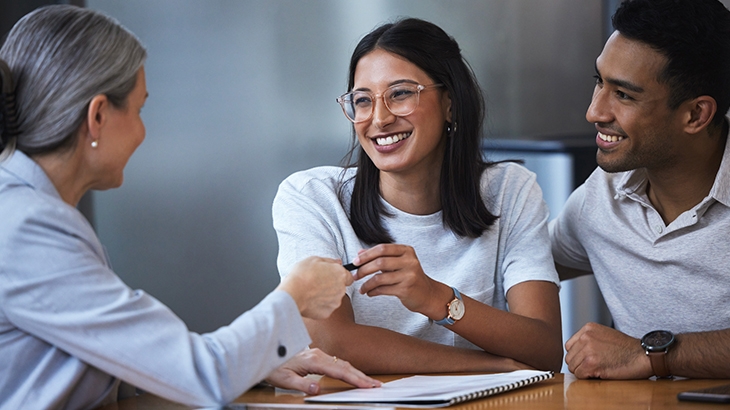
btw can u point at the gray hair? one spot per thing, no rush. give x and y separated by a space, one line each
60 57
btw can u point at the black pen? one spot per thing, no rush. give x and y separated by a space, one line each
350 266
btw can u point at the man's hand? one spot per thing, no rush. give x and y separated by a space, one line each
597 351
291 374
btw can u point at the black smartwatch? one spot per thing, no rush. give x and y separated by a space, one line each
656 344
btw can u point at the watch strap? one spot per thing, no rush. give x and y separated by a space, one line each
448 320
658 362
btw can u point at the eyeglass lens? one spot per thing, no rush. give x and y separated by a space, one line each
401 99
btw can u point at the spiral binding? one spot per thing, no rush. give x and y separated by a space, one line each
501 389
8 106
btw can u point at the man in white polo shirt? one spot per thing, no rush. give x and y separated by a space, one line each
653 222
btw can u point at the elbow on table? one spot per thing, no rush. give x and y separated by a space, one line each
552 358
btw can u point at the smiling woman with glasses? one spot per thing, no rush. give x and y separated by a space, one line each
451 253
399 99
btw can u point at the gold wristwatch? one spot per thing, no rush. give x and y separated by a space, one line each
455 309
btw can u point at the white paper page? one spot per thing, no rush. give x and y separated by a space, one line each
427 388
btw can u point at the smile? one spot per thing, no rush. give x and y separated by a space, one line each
392 139
610 138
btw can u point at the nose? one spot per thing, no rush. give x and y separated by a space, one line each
382 117
599 110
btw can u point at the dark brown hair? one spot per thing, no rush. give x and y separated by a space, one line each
436 53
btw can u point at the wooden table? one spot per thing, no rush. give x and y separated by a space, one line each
561 392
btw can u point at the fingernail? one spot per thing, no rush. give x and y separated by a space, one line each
313 388
356 262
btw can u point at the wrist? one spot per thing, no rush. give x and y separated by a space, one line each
455 310
657 344
438 303
291 289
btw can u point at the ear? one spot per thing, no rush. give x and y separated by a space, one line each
446 104
96 116
699 113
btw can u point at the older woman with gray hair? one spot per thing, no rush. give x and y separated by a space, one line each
71 331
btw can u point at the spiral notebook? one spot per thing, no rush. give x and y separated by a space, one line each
436 391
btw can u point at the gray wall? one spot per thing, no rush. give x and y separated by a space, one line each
242 94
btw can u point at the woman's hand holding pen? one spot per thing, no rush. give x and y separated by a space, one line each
401 275
317 285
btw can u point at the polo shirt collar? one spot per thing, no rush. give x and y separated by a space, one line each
721 187
634 181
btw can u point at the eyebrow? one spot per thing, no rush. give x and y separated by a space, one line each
620 83
396 82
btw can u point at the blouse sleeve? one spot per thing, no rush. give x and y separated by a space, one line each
57 286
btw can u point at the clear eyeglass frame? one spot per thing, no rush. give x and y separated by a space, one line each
398 103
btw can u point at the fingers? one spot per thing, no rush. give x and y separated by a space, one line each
314 361
380 281
381 258
348 277
575 347
287 379
340 369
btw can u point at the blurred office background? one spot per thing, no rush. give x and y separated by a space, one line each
242 94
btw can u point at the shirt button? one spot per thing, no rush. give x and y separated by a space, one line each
659 229
281 351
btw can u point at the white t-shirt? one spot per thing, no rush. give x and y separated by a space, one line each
310 220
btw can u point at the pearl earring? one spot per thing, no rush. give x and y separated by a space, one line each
94 144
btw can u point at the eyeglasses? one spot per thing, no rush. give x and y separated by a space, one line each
399 99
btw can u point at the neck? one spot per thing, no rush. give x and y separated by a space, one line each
677 189
65 172
414 194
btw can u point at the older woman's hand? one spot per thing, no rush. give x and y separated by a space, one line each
317 285
314 361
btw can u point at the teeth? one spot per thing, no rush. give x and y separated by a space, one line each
610 138
392 139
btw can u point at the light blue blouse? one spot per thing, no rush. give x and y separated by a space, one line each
71 330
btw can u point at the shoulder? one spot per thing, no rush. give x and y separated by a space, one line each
604 186
507 182
593 198
27 210
505 174
325 177
35 223
319 187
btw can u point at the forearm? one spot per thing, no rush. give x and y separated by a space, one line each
529 333
527 340
377 350
701 355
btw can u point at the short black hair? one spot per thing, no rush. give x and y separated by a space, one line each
694 36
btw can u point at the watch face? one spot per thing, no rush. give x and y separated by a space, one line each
456 309
657 340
